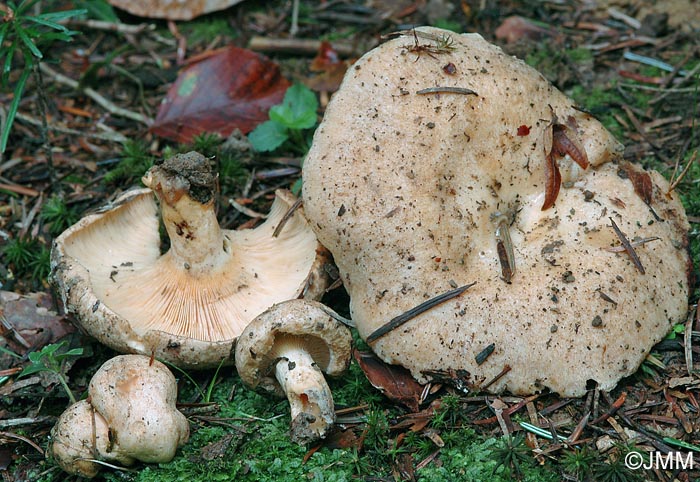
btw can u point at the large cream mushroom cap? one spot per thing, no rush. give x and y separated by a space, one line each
136 396
406 187
189 304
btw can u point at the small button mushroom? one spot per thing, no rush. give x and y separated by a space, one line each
130 415
493 192
189 304
285 350
136 396
81 436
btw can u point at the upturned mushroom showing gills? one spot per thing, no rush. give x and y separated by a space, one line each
483 224
189 304
129 416
286 350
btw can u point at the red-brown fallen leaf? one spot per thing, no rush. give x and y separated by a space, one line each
326 58
552 179
565 141
330 68
342 439
172 9
29 323
516 28
232 88
641 181
393 381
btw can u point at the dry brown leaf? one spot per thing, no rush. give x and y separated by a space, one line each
641 181
552 178
393 381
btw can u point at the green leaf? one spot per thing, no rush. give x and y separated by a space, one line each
268 136
28 42
72 352
12 111
298 109
32 369
9 352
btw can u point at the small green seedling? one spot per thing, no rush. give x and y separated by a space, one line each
134 161
50 359
288 122
28 256
57 215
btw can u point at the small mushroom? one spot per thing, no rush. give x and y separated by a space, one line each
80 437
136 396
285 350
420 181
189 304
130 415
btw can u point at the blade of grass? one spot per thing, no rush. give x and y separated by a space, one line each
12 112
680 443
540 432
22 34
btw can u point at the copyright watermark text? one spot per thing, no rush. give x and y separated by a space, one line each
660 461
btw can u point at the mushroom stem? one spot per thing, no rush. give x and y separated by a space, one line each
310 398
186 189
196 240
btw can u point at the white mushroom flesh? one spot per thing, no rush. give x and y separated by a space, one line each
310 398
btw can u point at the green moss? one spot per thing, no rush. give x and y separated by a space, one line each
204 30
603 104
579 55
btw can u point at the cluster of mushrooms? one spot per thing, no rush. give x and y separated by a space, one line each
482 224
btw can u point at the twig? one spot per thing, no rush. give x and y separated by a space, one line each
296 46
24 191
23 439
500 375
680 177
449 90
579 429
628 247
114 27
642 59
17 422
670 90
94 95
613 409
286 217
294 28
44 129
110 136
413 312
691 75
688 341
634 244
248 212
618 15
